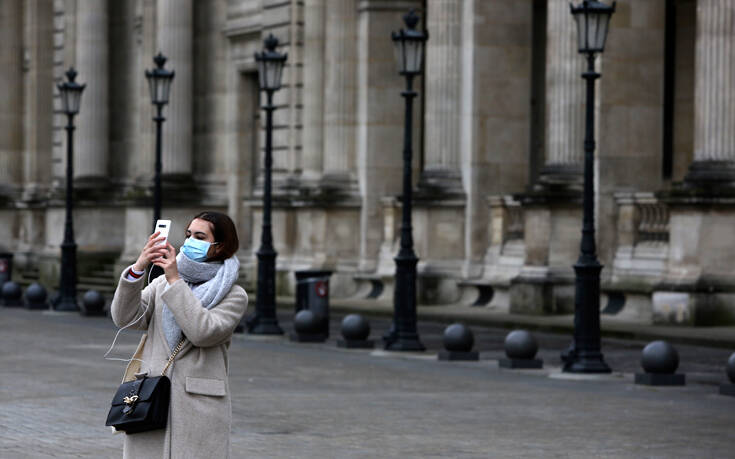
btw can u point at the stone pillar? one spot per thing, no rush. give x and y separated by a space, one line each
126 151
142 160
11 94
175 33
565 99
314 43
38 98
380 110
91 139
495 128
714 93
443 101
340 89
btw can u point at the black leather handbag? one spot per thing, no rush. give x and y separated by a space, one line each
142 404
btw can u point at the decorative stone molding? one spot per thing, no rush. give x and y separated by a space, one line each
643 236
654 223
506 252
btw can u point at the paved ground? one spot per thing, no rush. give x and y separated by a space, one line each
316 400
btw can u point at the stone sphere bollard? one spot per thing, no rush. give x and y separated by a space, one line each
520 344
731 368
305 322
660 357
355 331
660 360
355 327
36 297
520 350
11 294
93 304
306 326
458 342
458 338
729 388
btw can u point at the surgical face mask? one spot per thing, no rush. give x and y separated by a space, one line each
196 249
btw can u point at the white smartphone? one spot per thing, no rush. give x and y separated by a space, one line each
163 226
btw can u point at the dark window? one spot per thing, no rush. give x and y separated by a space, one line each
538 90
667 163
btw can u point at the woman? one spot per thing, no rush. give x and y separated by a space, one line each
196 299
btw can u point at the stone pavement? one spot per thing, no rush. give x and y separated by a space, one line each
318 401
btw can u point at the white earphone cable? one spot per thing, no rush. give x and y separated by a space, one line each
114 340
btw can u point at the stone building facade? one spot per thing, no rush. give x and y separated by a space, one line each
498 144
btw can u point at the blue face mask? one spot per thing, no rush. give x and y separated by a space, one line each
196 249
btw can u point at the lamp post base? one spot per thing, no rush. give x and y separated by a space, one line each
263 326
65 304
586 364
405 343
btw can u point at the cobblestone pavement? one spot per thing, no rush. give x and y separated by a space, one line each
316 400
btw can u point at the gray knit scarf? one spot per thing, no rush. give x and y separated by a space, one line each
210 282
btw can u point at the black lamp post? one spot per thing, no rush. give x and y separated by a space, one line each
71 98
409 46
592 19
159 84
264 322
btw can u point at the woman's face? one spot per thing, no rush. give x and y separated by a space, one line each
200 229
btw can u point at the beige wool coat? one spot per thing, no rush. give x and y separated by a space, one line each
200 412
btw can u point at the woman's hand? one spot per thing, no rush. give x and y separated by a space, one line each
150 252
168 263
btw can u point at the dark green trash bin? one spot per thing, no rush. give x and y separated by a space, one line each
312 293
6 267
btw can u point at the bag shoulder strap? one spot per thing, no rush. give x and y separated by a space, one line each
134 364
173 356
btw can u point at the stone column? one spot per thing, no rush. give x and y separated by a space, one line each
443 101
38 98
380 111
565 99
496 82
314 43
340 89
175 33
714 93
126 151
91 139
11 93
142 160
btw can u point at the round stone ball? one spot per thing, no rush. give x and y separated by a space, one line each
305 322
93 301
731 368
12 291
355 327
35 293
458 338
520 344
659 357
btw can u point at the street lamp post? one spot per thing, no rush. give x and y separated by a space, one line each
159 84
409 44
592 19
264 322
71 98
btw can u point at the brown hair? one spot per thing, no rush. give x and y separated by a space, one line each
224 232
